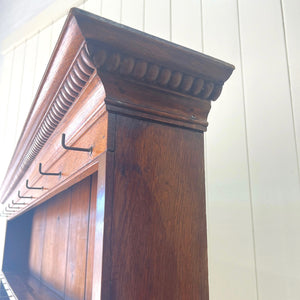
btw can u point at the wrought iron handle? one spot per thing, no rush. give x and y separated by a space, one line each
51 174
24 197
17 203
63 143
32 187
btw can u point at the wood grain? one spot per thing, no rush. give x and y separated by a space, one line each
55 243
77 240
37 241
158 222
137 229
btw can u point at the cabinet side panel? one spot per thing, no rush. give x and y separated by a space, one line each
158 238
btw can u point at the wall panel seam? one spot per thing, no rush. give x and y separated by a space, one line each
6 130
17 131
33 91
171 21
290 88
247 149
202 30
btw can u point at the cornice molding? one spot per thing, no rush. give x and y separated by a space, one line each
142 76
77 77
151 73
75 80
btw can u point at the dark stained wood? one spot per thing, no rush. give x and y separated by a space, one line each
158 233
136 229
148 103
151 48
92 51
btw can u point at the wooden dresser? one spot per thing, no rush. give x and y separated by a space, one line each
105 193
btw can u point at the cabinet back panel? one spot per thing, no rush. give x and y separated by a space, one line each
60 233
55 241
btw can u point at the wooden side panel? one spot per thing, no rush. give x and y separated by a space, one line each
37 241
77 242
56 242
158 238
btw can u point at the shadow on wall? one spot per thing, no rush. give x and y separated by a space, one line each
2 238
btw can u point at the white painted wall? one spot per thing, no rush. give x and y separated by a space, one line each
252 143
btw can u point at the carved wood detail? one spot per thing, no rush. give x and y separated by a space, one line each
75 80
182 81
150 73
141 103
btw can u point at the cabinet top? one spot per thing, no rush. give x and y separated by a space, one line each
145 47
131 72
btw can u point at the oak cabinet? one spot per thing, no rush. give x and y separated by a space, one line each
105 194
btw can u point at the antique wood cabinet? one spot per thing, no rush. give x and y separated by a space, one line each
105 193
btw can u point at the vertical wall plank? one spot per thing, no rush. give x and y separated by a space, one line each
291 13
6 73
93 6
55 31
158 18
42 56
12 134
186 23
111 9
27 81
133 13
291 23
231 253
272 152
